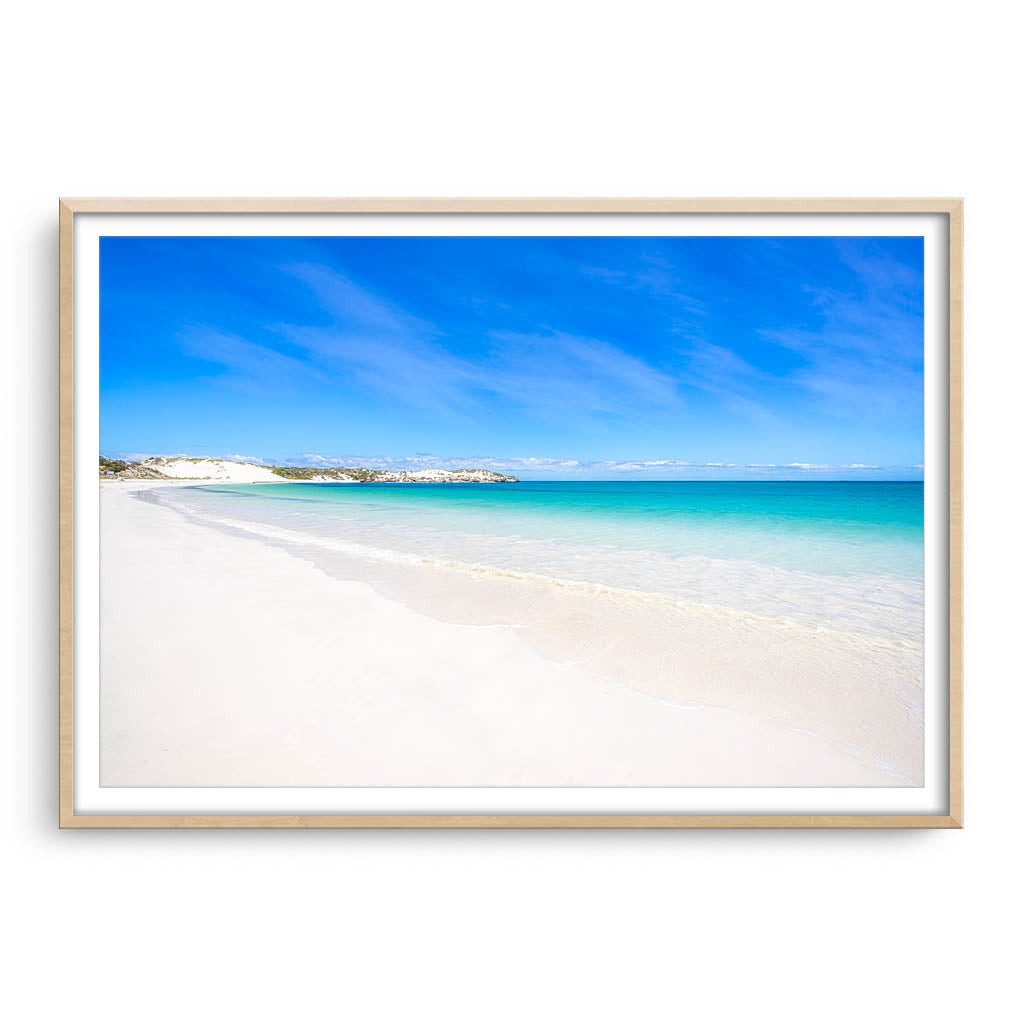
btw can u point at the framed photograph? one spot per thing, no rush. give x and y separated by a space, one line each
510 513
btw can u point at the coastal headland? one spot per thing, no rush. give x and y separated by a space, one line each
184 467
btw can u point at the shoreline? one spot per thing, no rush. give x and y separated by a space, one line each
550 719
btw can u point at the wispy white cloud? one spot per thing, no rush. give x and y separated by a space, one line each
544 371
863 356
727 376
406 360
252 366
653 274
258 460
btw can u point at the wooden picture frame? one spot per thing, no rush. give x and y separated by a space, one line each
952 209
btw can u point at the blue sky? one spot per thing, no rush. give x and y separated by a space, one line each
571 357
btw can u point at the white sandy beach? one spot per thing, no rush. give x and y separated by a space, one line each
227 662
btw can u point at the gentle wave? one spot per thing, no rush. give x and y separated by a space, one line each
838 529
867 635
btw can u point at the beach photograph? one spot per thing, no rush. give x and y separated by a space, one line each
511 511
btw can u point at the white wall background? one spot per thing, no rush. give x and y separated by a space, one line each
550 98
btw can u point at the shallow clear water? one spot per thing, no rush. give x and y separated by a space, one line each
849 555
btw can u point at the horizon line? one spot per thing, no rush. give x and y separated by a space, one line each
533 464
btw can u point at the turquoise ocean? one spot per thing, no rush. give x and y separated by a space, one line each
847 555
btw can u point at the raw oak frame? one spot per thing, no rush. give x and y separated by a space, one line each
952 208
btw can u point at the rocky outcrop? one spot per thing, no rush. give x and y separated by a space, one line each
357 474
